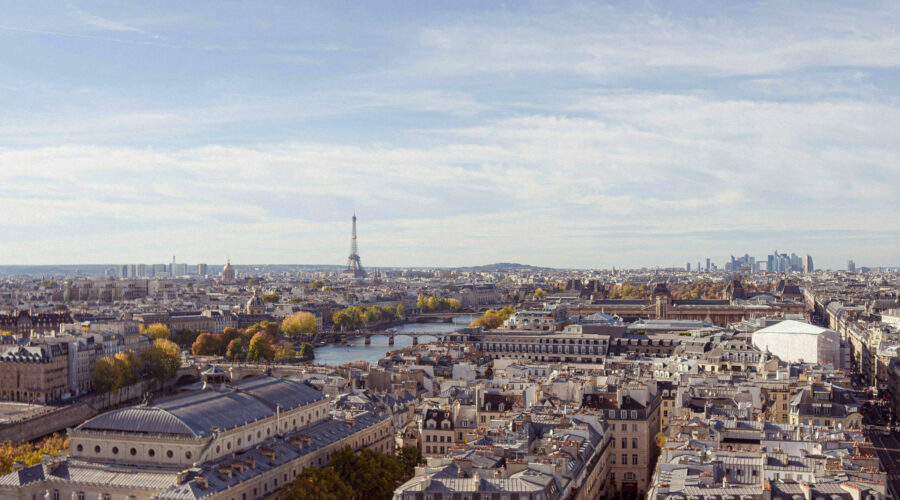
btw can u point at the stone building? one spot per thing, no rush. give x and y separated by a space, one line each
23 323
34 373
632 416
240 441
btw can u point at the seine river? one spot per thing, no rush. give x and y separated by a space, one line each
338 354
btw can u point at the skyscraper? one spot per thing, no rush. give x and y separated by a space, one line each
808 264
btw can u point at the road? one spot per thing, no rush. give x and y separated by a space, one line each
887 447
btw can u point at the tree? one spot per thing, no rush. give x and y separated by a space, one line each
315 285
400 310
270 298
30 453
372 315
319 484
6 332
104 375
163 360
299 323
235 351
494 319
410 456
208 344
285 350
261 348
158 331
186 336
307 351
539 293
128 369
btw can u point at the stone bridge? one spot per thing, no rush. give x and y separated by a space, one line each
368 334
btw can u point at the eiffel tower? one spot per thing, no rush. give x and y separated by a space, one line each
354 266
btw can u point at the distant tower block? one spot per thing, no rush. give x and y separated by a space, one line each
354 265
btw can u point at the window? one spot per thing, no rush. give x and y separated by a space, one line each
80 495
133 451
169 454
634 460
151 452
188 455
624 459
612 459
55 494
79 448
97 449
634 443
624 443
634 427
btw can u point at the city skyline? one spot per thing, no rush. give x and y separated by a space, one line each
582 136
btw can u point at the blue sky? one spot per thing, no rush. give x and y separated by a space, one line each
550 133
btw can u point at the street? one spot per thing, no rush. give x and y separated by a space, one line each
887 447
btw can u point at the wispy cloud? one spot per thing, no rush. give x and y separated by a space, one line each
105 24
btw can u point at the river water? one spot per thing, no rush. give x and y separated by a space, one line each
338 354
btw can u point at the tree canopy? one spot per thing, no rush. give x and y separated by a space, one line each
356 316
163 360
299 323
157 331
494 319
261 348
427 303
355 476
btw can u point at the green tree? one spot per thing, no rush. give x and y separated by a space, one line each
539 293
104 375
128 369
372 315
318 484
307 351
270 298
299 323
162 360
400 310
235 350
261 348
285 350
409 458
158 331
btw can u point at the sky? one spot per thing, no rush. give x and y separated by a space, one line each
564 134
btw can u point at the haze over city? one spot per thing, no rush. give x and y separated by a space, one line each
585 135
